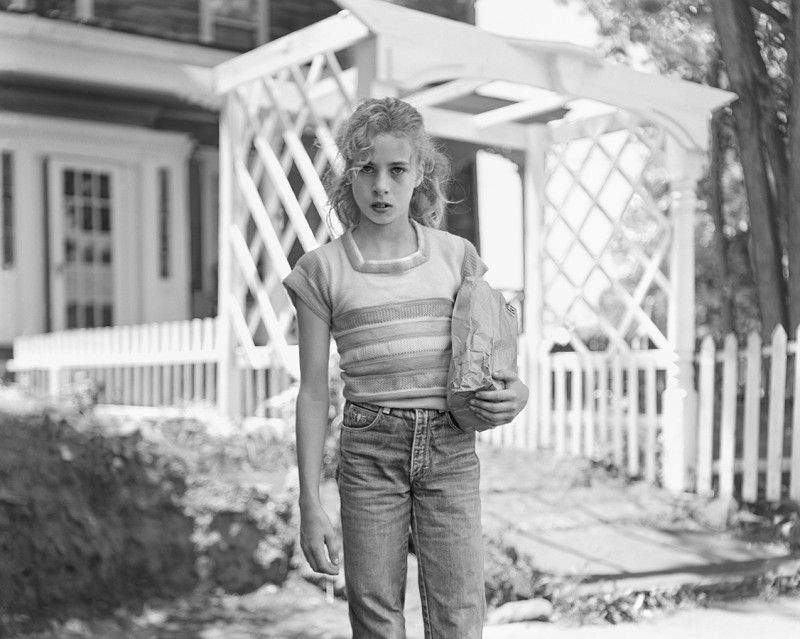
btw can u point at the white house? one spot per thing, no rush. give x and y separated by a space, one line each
108 155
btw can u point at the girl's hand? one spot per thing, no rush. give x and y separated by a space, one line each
316 535
499 407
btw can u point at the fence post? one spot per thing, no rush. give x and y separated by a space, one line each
680 397
53 381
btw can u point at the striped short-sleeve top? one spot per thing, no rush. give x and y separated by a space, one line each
390 318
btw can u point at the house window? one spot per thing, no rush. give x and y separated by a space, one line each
87 274
163 222
7 209
232 23
61 9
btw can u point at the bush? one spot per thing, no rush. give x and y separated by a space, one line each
87 520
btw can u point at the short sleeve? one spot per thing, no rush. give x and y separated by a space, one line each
473 265
309 281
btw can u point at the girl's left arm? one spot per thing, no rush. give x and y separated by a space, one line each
501 406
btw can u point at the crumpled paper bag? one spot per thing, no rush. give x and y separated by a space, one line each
484 340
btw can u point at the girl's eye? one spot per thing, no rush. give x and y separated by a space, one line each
367 169
398 170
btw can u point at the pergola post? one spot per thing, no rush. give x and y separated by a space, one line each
680 396
227 373
532 203
368 61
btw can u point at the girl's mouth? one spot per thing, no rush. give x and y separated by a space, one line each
380 206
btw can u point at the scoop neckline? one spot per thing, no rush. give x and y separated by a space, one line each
397 265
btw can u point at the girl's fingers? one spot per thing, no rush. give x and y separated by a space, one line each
496 395
506 376
318 558
495 407
494 418
323 564
334 549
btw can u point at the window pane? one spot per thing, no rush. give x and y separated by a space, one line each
164 222
87 217
88 316
86 183
105 218
7 209
72 315
69 182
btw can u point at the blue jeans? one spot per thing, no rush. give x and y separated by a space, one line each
402 468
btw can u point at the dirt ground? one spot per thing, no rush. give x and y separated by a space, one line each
300 610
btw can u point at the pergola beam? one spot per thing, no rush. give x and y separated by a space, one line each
516 111
331 34
452 125
444 92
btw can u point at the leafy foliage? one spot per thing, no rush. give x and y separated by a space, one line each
677 38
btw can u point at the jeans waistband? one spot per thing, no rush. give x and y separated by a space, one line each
394 411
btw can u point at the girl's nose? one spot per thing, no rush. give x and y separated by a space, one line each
381 184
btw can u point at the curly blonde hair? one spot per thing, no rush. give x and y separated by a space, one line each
354 138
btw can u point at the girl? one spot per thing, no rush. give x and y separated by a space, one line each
385 290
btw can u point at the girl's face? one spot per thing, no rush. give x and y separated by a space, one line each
385 180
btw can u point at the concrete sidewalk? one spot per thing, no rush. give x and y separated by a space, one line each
608 534
740 620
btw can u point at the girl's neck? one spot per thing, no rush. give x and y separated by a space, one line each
389 242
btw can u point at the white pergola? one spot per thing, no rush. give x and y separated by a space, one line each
611 160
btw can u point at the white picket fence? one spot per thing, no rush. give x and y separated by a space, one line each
747 439
748 427
604 407
169 365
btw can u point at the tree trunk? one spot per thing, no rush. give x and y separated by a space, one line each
723 273
793 211
735 30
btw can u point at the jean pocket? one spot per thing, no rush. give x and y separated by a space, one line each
451 422
359 417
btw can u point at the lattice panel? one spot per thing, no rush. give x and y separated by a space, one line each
285 143
606 235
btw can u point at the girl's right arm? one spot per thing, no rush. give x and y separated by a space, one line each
316 531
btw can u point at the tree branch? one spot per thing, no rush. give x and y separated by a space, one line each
770 10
